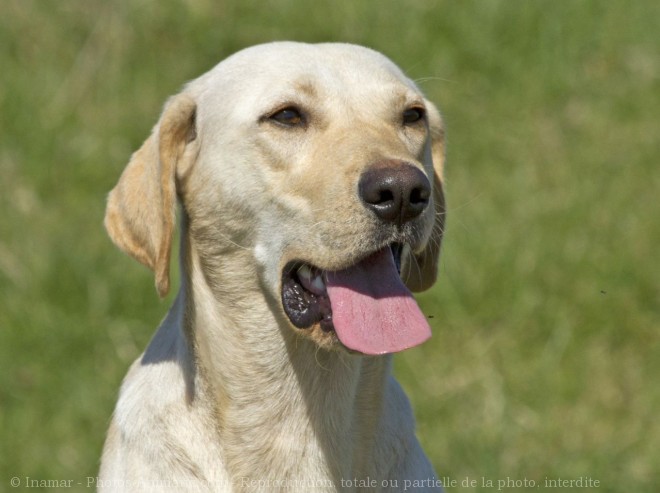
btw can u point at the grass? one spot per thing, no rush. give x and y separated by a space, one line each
546 354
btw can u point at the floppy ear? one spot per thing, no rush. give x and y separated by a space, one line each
140 213
421 271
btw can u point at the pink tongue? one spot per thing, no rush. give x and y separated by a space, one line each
372 311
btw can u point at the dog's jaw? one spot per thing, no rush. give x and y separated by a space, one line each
363 308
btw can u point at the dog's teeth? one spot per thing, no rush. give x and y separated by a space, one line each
318 283
311 279
304 272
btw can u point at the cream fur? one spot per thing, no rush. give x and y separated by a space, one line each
229 396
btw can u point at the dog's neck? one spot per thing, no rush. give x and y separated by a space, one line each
284 409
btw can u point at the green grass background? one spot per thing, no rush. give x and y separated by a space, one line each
545 359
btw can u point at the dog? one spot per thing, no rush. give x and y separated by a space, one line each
311 205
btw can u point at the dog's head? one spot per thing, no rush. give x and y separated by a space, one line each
322 165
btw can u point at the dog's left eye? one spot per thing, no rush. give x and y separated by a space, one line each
413 115
289 117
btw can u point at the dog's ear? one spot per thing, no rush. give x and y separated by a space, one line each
140 213
421 271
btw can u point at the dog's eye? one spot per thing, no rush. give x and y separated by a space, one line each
289 117
413 115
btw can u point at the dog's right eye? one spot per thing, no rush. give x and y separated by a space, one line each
413 115
289 117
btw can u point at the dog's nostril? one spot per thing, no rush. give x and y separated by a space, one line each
394 190
385 196
419 196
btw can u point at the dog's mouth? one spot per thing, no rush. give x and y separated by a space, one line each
366 305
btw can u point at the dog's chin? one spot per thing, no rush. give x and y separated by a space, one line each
307 305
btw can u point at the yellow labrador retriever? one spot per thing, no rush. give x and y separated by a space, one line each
310 184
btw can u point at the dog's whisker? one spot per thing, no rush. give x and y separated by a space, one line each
422 80
454 208
316 359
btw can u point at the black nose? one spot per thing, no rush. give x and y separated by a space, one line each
395 190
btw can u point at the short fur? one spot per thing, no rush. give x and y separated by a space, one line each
229 395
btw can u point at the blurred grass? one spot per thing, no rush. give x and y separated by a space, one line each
546 357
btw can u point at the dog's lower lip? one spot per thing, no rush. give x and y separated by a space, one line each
305 307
